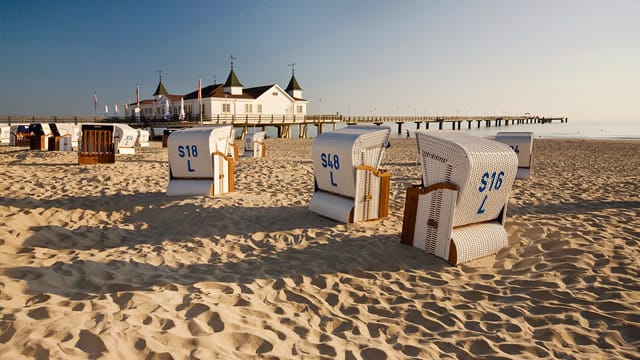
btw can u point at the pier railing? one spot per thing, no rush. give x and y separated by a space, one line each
284 123
260 119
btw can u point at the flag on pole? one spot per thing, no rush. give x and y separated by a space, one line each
137 95
95 101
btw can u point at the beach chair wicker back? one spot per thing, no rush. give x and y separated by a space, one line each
198 161
350 186
522 145
458 212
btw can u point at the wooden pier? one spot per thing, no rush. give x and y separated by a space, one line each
285 123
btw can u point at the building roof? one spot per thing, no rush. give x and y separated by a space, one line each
293 84
217 91
160 90
232 80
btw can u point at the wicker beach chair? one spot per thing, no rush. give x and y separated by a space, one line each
522 145
458 213
198 161
40 134
125 138
254 145
96 145
143 138
5 135
350 187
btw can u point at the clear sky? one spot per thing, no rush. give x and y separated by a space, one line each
573 58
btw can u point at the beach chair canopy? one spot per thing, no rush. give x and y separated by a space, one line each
483 171
125 136
337 154
40 129
522 145
190 150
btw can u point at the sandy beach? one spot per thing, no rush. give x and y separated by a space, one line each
97 262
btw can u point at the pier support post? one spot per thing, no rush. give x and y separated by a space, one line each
440 123
469 123
399 128
479 121
426 125
459 125
417 125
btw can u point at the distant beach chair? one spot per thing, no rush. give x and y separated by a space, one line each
458 212
20 135
97 145
143 138
350 187
40 134
5 135
198 161
522 145
254 145
125 138
61 139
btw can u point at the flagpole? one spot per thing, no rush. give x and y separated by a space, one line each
200 98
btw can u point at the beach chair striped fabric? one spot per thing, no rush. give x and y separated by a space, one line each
458 213
198 161
522 145
350 187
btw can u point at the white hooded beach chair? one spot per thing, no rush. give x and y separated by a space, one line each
350 187
198 161
522 145
125 138
254 145
5 135
459 211
143 138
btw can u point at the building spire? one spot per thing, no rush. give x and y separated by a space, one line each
232 58
293 88
159 71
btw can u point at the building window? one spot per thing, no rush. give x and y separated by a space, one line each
299 109
226 108
248 108
259 108
274 93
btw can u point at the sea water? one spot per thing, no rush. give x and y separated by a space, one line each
627 129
